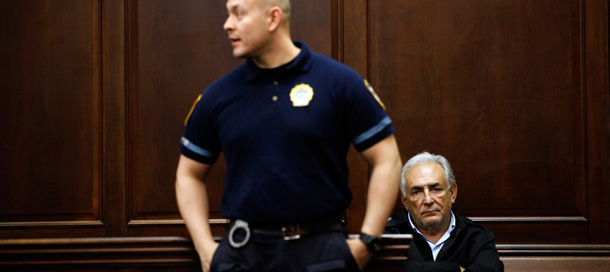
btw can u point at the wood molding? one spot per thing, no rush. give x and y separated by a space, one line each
95 252
134 252
491 219
506 250
179 252
85 223
166 222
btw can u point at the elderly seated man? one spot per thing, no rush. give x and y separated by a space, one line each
442 239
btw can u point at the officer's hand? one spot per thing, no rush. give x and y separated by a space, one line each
206 254
359 251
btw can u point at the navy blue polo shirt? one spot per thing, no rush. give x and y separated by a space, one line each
285 135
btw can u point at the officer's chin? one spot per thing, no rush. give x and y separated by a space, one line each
239 54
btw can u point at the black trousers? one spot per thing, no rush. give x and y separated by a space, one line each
266 253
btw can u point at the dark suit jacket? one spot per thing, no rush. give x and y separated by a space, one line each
470 246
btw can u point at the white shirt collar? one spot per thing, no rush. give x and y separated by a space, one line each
436 247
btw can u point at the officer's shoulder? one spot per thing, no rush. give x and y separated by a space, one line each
229 80
332 65
236 75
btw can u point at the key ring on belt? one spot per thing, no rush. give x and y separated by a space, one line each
239 224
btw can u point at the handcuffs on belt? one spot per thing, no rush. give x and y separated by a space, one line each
239 224
288 232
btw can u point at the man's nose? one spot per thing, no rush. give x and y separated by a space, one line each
427 197
228 25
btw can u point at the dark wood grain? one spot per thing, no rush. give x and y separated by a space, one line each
513 93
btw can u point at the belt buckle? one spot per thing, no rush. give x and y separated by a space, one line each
291 232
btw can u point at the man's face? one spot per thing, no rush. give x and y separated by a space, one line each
428 199
246 26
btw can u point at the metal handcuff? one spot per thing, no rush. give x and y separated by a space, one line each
239 224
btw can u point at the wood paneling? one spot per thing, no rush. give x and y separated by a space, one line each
481 82
136 254
497 88
597 133
514 93
178 254
114 82
50 114
174 53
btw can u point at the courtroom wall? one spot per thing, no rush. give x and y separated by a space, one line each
513 93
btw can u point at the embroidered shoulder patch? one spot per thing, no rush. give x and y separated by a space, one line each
372 91
192 109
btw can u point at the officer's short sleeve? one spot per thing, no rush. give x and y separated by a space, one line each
367 119
200 139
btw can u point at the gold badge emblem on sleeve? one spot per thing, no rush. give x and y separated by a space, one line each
192 109
372 91
301 95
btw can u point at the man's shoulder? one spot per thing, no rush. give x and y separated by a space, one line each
398 224
465 220
468 225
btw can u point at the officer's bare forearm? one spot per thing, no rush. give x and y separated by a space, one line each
385 161
192 200
382 193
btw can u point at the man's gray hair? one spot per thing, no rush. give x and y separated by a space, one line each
426 157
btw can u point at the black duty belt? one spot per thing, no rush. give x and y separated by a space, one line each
289 231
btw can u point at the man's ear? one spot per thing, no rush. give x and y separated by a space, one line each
403 199
274 18
453 190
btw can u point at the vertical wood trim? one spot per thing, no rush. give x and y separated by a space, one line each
355 36
130 103
114 125
580 148
96 109
337 19
597 118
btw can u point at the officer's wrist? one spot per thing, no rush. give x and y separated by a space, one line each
372 242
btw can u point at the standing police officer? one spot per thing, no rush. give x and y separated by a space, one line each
284 120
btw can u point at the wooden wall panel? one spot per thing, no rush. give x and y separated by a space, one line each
174 53
114 82
514 93
479 82
50 113
597 134
497 88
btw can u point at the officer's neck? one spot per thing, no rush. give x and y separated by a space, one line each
281 51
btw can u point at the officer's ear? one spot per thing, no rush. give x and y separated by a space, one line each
274 18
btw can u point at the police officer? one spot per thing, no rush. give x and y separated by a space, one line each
284 121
